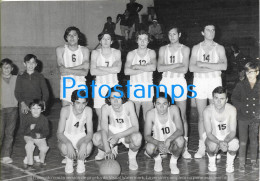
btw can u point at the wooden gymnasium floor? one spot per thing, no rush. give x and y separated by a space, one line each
195 169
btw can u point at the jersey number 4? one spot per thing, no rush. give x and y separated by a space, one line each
73 58
222 126
120 120
166 130
76 125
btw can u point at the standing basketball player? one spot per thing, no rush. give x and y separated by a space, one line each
165 122
105 65
140 64
73 62
207 60
220 121
119 124
174 62
73 141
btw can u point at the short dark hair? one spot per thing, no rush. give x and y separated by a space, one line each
162 95
37 102
69 29
28 57
109 17
219 90
101 35
251 65
74 95
124 98
174 27
6 61
142 32
207 23
235 47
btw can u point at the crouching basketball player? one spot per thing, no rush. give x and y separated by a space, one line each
73 141
220 121
119 124
165 122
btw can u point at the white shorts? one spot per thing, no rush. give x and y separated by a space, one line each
205 86
168 82
75 138
68 92
115 130
139 93
98 100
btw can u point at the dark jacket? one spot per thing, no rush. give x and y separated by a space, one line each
246 100
30 87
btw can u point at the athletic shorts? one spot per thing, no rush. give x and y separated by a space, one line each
114 130
75 138
98 100
219 137
205 86
168 82
69 91
139 93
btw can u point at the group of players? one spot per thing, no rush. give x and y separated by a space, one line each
166 128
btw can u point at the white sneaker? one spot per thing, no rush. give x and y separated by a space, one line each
201 151
80 166
63 161
69 166
37 159
158 164
173 165
218 156
100 155
7 160
212 163
132 160
186 155
25 161
230 163
230 168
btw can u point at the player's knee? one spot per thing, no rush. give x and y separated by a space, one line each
29 146
97 139
233 145
180 142
150 148
136 139
211 146
63 148
44 149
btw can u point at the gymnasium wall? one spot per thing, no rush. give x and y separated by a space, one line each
38 28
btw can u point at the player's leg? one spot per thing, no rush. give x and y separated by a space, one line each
135 141
42 145
82 146
212 149
29 148
153 152
233 146
98 142
176 148
253 137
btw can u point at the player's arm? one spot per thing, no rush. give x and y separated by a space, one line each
208 126
161 66
94 70
61 126
104 128
85 62
134 121
221 65
116 67
232 125
148 128
175 112
193 66
185 61
149 67
128 65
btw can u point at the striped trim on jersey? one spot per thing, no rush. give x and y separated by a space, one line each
177 57
211 57
108 62
146 77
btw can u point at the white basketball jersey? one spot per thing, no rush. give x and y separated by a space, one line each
163 131
220 128
170 58
211 57
119 121
108 62
72 59
146 77
75 126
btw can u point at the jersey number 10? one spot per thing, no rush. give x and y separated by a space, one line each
166 130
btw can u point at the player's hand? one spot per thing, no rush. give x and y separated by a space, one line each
24 108
70 151
32 126
168 143
109 155
162 147
113 139
38 135
82 154
223 146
